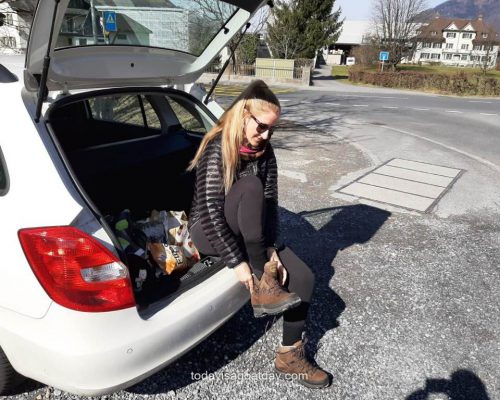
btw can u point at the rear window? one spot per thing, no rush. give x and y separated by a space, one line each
125 109
184 25
4 177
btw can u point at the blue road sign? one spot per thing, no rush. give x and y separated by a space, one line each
109 18
384 56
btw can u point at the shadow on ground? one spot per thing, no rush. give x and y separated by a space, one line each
341 227
463 385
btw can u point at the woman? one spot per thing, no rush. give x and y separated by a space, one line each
234 215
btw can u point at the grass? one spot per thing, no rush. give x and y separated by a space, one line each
340 72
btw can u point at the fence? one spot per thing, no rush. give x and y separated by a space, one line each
268 69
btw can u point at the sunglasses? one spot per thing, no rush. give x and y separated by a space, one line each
261 128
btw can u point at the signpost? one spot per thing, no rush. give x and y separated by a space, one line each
383 56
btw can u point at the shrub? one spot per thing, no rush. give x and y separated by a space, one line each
460 83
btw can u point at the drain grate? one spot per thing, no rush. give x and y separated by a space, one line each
409 184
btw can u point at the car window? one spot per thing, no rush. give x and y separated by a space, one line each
123 108
4 176
183 25
190 120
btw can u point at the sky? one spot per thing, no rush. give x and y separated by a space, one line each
361 9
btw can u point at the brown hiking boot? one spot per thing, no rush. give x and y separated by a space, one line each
291 363
268 297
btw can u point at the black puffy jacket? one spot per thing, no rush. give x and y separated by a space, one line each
208 200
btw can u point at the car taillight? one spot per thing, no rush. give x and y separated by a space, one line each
76 270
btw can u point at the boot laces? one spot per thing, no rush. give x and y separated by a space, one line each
302 361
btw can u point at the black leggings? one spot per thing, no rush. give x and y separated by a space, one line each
244 210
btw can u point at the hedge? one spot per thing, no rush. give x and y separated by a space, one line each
460 83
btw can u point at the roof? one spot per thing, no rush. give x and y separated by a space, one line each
354 31
440 25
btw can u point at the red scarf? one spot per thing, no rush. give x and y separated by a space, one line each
248 152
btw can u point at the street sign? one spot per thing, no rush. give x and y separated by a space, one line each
384 56
109 18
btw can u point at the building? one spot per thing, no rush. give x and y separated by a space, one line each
15 21
354 33
457 42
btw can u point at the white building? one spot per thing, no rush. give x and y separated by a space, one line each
457 42
14 29
354 33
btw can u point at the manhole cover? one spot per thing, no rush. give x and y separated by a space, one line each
409 184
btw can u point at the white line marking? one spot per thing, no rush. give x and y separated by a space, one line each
454 112
477 158
283 100
374 97
488 114
332 104
421 109
477 101
360 105
392 108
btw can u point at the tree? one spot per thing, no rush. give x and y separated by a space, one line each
247 50
298 28
395 25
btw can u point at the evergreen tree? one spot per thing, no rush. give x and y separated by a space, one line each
298 28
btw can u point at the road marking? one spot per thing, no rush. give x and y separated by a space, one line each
360 105
477 101
333 104
284 100
454 112
374 97
488 114
390 107
421 109
474 157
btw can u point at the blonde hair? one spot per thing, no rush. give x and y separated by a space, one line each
256 98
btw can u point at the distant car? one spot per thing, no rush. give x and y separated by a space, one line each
350 61
114 127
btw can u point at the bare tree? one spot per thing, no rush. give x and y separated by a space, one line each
395 25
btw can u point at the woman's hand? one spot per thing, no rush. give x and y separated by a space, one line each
244 274
282 272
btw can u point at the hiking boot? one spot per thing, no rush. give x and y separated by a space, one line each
291 363
269 297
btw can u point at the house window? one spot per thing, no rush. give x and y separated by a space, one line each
437 45
448 56
464 57
436 56
449 45
434 33
451 35
465 47
8 41
485 35
467 35
475 58
477 47
488 48
9 20
424 56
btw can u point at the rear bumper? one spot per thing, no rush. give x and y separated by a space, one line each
93 354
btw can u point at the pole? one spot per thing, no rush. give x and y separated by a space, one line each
383 61
92 15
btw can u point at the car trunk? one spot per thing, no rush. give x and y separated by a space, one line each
119 163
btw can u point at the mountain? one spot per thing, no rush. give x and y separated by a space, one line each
469 9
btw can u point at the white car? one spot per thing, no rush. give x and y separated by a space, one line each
103 120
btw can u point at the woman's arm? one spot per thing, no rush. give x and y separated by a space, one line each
210 191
